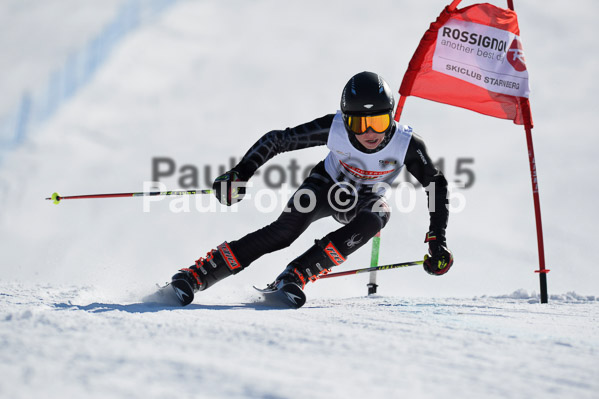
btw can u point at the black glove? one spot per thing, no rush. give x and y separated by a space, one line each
229 188
441 258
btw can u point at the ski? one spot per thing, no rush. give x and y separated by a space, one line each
283 294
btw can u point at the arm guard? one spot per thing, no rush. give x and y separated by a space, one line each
307 135
420 165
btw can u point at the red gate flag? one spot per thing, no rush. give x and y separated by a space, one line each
472 58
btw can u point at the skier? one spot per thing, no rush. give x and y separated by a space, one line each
367 148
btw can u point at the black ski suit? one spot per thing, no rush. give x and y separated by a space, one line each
360 222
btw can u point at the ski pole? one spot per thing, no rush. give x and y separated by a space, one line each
56 198
373 269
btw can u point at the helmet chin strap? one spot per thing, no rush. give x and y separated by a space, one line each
354 141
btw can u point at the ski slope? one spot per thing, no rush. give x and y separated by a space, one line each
200 85
69 341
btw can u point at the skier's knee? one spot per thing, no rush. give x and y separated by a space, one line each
382 211
371 222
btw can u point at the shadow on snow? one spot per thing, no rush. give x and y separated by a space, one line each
151 307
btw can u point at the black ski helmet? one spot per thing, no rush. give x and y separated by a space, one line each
367 93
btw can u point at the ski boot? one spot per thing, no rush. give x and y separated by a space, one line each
218 264
314 262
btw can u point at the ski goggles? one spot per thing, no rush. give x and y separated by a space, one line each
360 124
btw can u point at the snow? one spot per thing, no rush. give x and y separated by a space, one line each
68 341
72 277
